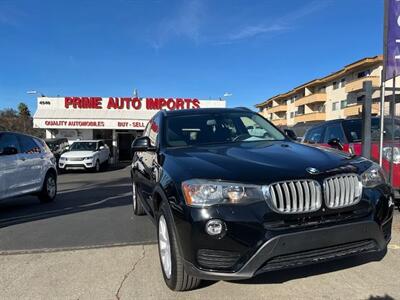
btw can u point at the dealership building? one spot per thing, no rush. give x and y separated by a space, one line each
116 120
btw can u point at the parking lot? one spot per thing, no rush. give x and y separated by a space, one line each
87 245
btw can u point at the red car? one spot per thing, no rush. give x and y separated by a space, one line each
346 135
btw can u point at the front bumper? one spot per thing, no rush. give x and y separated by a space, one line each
76 165
305 247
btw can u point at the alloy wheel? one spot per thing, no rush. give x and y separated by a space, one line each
164 247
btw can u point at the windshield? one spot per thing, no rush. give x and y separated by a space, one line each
83 146
353 130
204 129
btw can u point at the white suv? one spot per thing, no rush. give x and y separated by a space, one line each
85 154
27 166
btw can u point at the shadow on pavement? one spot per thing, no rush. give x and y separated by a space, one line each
285 275
74 195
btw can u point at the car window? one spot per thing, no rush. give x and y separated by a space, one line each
28 145
314 136
42 145
154 128
334 131
8 140
353 130
226 127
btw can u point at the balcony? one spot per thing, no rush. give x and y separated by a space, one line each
313 98
355 110
314 116
278 108
279 122
357 85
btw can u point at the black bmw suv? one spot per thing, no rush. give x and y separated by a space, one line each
233 197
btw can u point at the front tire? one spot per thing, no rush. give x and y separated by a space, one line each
49 189
138 209
171 261
97 166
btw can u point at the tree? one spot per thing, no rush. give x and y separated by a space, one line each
19 121
23 110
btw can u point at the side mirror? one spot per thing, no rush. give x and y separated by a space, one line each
142 144
101 148
8 151
290 134
335 143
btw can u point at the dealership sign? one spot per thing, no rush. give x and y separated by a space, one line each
108 112
130 103
392 37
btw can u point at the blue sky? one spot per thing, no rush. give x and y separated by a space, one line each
195 49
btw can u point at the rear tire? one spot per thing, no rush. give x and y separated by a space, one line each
173 271
138 209
49 189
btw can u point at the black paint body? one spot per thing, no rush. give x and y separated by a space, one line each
258 239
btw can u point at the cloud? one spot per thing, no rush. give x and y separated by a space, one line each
192 21
280 24
251 31
185 23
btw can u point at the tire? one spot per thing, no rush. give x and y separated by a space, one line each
138 209
49 189
175 275
97 167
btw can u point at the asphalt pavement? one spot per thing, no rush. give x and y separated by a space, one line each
91 210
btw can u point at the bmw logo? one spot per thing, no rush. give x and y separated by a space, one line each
312 170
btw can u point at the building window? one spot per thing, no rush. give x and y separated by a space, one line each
343 104
300 110
363 74
322 89
335 85
342 82
335 106
292 114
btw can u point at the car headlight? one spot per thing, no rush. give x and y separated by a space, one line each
387 154
373 176
200 193
89 157
63 158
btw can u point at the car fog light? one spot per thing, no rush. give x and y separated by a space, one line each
215 227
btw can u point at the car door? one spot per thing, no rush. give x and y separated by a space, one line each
147 166
31 165
335 131
9 169
314 135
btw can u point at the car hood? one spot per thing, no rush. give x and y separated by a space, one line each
260 162
78 154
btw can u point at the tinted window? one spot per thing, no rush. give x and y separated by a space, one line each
8 140
353 130
334 132
219 128
314 135
28 145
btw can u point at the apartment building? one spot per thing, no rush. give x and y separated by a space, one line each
338 95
